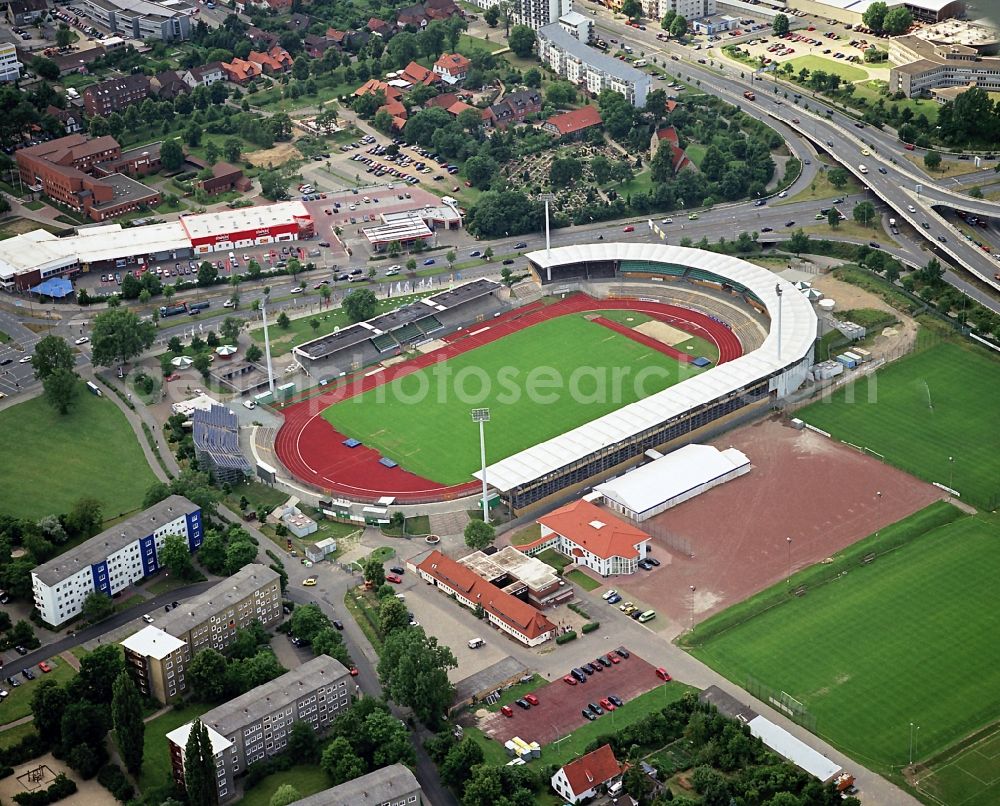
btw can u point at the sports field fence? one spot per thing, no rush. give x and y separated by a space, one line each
782 701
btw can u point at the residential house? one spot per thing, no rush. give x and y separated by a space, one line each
414 16
585 777
205 75
315 46
538 13
594 538
394 785
452 67
380 27
261 38
168 85
418 74
442 9
71 121
25 12
667 138
10 63
348 40
275 60
574 123
240 71
75 61
299 22
443 100
115 94
515 107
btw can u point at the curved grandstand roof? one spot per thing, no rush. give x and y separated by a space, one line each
798 332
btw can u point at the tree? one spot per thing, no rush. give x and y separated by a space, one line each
521 40
85 517
632 9
383 121
176 557
678 27
360 304
98 126
307 621
48 704
98 671
329 641
638 785
84 725
303 744
118 335
480 170
833 217
341 763
61 389
45 68
96 607
230 329
207 675
126 717
668 20
532 77
457 765
232 148
492 16
273 185
413 669
798 242
564 171
283 321
864 213
254 354
897 21
976 192
780 24
64 36
240 551
560 93
171 155
199 767
392 616
838 177
202 364
874 16
373 571
390 739
479 534
286 793
207 274
52 353
932 160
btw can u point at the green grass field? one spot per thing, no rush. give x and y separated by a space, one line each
538 382
891 416
970 776
155 751
89 452
906 638
848 72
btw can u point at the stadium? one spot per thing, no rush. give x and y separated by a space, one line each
739 339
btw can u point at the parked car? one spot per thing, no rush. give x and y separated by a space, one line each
609 593
622 653
570 680
395 580
595 709
629 228
663 674
507 711
587 715
618 703
397 570
522 703
607 705
147 618
28 674
531 698
44 667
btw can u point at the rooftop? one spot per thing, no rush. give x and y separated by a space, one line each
242 219
595 529
558 35
100 546
533 573
180 736
215 600
571 122
125 189
386 785
592 770
153 642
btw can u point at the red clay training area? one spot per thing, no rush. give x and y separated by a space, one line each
313 451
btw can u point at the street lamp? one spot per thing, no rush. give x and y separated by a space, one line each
482 416
951 473
878 498
267 347
691 627
777 290
788 541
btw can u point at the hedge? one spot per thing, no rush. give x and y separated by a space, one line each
112 778
566 637
590 626
31 746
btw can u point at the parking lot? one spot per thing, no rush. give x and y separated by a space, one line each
560 705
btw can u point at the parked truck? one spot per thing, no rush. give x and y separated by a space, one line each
183 307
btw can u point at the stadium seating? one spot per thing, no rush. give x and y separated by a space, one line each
384 342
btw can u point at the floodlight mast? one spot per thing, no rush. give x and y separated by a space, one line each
482 416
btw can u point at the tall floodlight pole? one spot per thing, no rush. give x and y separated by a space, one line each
777 290
547 197
267 348
482 416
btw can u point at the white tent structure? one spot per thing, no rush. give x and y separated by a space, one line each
796 751
181 362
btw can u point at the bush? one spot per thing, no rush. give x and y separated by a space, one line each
590 626
566 637
112 778
31 746
62 787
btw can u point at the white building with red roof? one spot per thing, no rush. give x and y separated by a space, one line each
510 614
594 538
452 67
583 778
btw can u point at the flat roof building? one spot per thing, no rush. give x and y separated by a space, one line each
168 21
520 575
945 64
114 559
156 661
395 785
247 226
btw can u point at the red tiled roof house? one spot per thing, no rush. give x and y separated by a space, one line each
452 67
572 124
594 538
584 777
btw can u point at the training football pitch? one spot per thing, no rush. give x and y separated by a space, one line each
909 637
969 776
923 409
537 382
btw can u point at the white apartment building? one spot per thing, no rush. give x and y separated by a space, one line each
256 725
143 19
538 13
114 559
688 9
10 67
583 65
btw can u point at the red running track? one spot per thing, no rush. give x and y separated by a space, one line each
643 339
313 451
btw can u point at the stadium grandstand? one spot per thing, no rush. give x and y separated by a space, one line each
371 341
680 413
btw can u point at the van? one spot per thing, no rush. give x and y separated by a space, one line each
863 169
649 615
639 63
475 643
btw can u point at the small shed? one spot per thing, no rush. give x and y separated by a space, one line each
321 549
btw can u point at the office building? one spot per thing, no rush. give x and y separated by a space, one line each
945 62
582 65
111 561
143 19
592 537
157 656
256 725
394 785
10 67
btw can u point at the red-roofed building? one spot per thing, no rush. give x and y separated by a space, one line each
583 778
379 27
276 60
444 100
668 138
570 124
593 537
515 617
240 71
373 85
452 67
418 74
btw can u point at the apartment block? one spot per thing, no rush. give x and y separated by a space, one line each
10 67
589 68
688 9
111 561
115 94
256 725
538 13
143 19
394 785
157 656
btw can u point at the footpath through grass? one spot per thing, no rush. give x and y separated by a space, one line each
53 459
538 382
907 637
932 414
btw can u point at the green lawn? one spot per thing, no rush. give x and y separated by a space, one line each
89 452
696 152
155 752
848 72
906 638
306 778
4 338
467 44
13 735
18 703
516 691
579 578
970 775
538 382
923 409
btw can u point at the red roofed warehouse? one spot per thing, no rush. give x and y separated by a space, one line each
594 538
583 778
510 614
570 124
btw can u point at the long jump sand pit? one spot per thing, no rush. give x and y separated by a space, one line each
662 332
732 541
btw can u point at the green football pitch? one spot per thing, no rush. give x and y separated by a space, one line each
968 776
908 637
423 421
923 409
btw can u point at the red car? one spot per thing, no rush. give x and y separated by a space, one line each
45 667
395 580
908 146
354 671
507 711
531 698
615 659
570 679
607 705
629 228
663 674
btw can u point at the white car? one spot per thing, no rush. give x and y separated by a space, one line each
81 340
667 221
249 404
911 208
783 194
296 290
228 303
147 618
24 359
609 593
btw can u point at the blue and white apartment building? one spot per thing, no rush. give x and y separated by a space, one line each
114 559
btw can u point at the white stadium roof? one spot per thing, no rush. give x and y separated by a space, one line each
798 332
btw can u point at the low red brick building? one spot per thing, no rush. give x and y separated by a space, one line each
573 124
115 94
225 177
